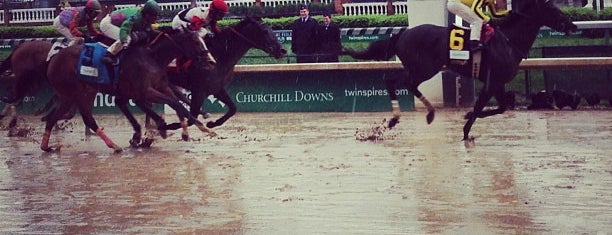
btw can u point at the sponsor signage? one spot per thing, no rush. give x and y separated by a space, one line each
311 91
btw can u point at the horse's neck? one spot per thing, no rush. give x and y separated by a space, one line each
165 52
521 34
230 49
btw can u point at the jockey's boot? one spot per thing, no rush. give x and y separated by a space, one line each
476 45
109 59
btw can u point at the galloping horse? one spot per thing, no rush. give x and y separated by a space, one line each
424 50
28 63
142 78
228 46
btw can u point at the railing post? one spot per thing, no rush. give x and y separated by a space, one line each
7 13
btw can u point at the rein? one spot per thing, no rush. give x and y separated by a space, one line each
160 34
254 44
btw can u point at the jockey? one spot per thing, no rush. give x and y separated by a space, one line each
129 25
471 11
198 18
70 19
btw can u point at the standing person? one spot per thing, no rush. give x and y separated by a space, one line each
125 25
70 19
328 35
471 11
303 37
198 18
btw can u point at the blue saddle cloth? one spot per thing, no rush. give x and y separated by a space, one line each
91 68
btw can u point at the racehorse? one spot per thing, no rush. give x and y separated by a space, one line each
228 47
141 78
424 51
28 63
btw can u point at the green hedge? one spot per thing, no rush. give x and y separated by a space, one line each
577 14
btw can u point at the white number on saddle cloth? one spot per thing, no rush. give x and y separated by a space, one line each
89 71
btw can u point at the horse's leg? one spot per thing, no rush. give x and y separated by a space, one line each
156 96
231 109
391 83
483 98
192 119
412 83
123 106
52 119
499 92
159 121
85 107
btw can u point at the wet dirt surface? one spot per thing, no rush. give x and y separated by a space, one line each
544 172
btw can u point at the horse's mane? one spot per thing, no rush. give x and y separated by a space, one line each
225 34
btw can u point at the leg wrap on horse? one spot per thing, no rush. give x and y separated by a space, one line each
107 141
395 108
430 107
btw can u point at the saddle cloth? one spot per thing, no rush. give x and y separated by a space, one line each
90 67
55 48
459 37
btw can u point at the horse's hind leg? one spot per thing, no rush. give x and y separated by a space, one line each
391 83
85 107
52 119
231 109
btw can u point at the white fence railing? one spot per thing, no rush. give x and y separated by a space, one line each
373 8
46 15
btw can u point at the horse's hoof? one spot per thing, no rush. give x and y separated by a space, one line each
163 133
393 122
430 117
147 143
469 142
51 149
13 123
185 137
118 149
134 143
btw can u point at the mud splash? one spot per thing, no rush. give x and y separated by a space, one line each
376 132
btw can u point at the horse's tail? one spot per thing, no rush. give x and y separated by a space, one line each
378 50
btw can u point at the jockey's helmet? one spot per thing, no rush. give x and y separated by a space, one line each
151 7
93 6
219 6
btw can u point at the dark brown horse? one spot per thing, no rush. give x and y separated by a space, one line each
424 51
228 47
142 78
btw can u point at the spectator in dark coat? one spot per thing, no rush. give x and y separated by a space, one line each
303 37
328 36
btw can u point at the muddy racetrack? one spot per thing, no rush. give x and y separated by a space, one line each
545 172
